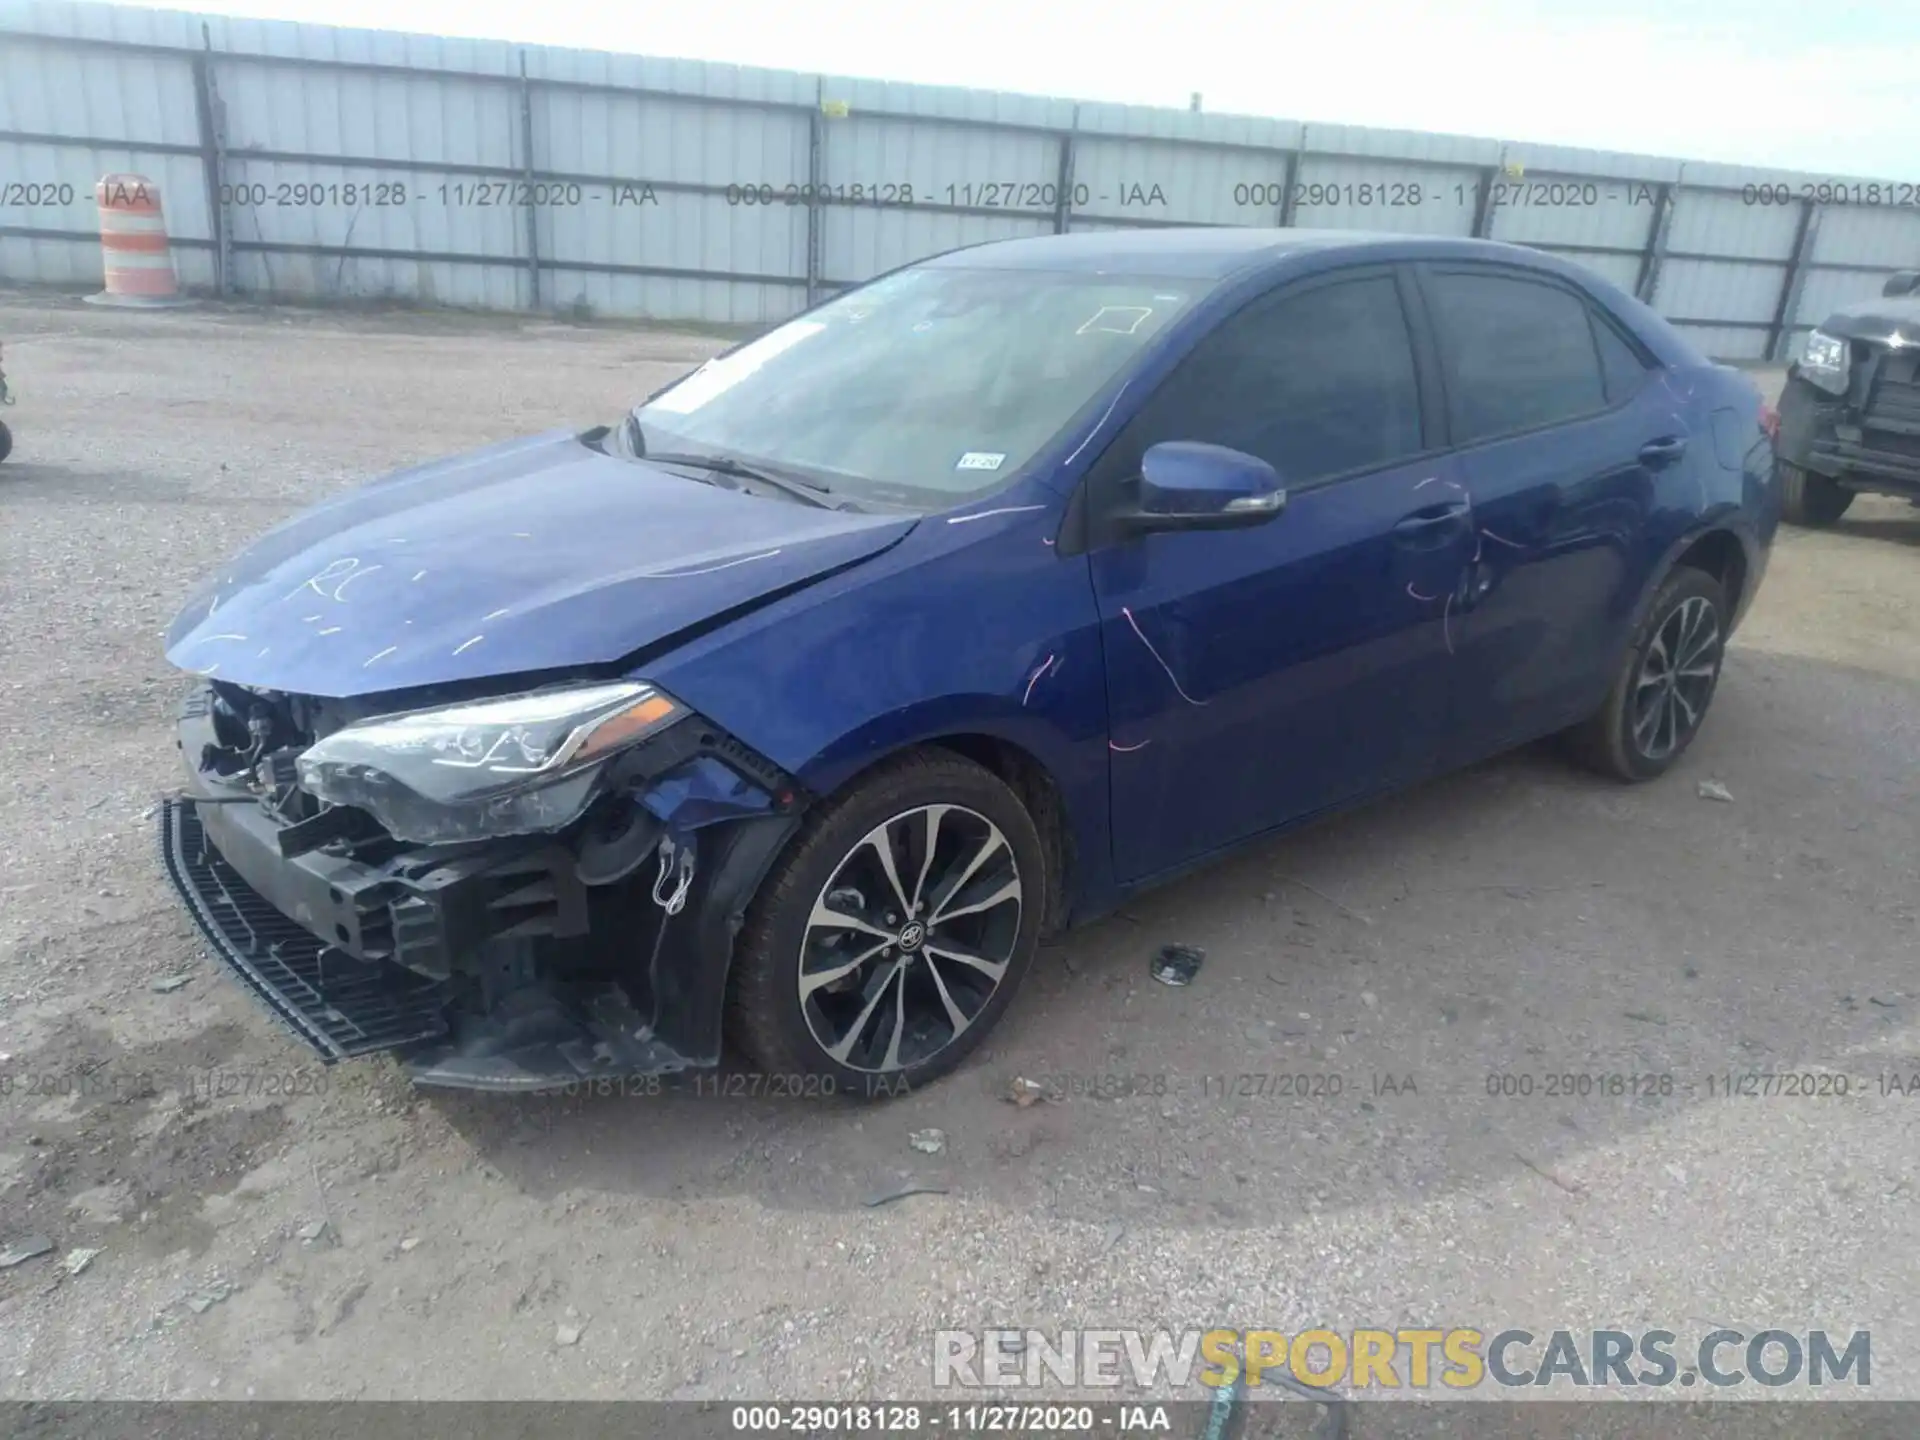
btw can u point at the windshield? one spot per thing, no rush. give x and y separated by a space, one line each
922 389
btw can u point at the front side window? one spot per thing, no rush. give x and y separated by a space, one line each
1317 382
924 388
1518 353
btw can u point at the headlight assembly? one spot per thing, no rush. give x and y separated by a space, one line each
1827 363
523 764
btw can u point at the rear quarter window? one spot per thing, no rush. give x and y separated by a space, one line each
1622 370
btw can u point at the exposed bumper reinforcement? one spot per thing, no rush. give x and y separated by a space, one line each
548 1036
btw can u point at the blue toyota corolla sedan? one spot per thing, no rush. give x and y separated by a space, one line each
800 704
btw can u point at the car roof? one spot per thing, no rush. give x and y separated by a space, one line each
1220 256
1204 252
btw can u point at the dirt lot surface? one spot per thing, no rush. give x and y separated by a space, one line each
1521 919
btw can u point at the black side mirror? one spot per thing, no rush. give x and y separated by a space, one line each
1187 485
1901 282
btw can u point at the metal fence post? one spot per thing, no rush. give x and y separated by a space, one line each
211 115
1483 206
526 179
1795 279
1292 178
1651 258
1063 189
816 180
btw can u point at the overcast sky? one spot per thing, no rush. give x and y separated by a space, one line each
1821 85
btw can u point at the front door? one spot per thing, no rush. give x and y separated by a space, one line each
1256 676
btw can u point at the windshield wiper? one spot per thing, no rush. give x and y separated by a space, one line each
805 490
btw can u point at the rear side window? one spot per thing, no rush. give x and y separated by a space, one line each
1519 354
1317 383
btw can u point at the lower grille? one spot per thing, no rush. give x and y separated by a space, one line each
340 1006
1894 403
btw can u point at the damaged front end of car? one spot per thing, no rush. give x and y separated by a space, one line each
516 892
1850 408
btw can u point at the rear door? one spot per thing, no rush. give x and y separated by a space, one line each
1258 675
1560 432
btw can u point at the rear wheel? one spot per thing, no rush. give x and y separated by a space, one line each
1665 683
891 937
6 442
1809 499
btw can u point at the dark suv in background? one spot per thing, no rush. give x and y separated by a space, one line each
1850 412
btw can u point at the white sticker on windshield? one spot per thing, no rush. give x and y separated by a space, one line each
718 376
981 460
1117 319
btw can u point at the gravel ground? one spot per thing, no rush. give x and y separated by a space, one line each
1521 918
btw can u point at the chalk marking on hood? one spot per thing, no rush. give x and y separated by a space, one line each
708 569
984 514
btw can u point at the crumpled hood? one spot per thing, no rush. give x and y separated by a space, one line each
1877 319
533 555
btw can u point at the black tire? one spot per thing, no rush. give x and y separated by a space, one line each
1810 500
785 942
1616 739
6 442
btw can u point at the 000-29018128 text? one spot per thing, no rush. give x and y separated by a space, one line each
1833 192
843 1419
971 1419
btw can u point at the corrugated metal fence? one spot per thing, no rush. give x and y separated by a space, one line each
309 161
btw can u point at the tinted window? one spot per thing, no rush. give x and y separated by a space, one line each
1519 354
1621 368
1316 383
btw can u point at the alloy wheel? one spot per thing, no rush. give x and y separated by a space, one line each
1676 678
909 940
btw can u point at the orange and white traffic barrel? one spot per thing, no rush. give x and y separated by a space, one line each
133 244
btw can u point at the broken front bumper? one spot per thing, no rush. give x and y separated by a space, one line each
1868 439
484 966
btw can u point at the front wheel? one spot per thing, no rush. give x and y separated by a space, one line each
1811 500
891 936
6 442
1664 685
